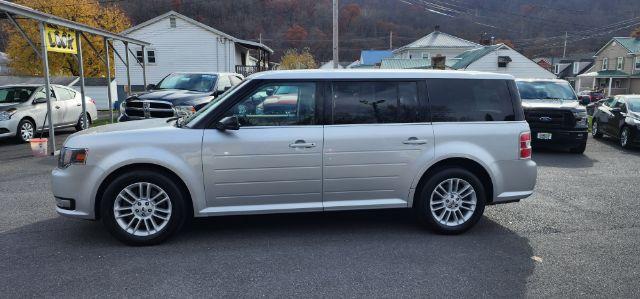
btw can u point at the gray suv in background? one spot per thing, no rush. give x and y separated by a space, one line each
444 143
23 110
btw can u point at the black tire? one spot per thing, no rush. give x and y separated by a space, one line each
626 143
79 124
20 131
595 129
579 149
175 197
422 201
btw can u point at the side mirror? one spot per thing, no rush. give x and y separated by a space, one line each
585 100
39 101
616 110
151 86
228 123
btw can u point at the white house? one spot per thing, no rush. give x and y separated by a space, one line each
96 88
437 46
181 44
500 59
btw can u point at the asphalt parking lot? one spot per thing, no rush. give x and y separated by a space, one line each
578 235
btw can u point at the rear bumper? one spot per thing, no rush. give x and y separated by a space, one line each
513 180
560 138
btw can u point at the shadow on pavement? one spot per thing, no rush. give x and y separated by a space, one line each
550 158
347 254
615 145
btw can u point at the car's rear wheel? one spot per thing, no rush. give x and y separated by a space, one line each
625 137
80 124
143 207
451 201
26 130
595 129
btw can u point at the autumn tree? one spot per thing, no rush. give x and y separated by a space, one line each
24 61
294 59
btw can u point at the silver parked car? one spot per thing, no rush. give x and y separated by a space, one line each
23 110
445 143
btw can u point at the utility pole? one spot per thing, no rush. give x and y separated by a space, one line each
335 34
390 40
564 51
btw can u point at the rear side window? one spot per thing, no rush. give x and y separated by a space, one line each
374 102
470 100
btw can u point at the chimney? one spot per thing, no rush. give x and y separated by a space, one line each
437 28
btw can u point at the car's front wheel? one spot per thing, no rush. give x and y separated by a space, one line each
451 201
80 124
595 129
143 207
26 130
625 137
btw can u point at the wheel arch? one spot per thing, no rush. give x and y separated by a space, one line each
142 166
465 163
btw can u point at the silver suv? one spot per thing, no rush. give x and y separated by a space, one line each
441 142
23 110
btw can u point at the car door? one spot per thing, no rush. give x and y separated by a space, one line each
73 104
376 142
61 106
273 163
607 119
619 113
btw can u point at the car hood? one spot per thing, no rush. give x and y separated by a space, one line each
547 103
635 115
175 96
5 106
138 125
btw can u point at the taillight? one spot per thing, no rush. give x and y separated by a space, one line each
525 145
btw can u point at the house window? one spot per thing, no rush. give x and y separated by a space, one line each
172 22
139 56
637 63
620 63
426 55
617 84
503 61
605 64
556 69
576 67
151 56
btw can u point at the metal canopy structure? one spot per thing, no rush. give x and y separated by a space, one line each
10 11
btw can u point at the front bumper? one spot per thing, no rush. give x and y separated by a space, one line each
8 128
560 138
74 189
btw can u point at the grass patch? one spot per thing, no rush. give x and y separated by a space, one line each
589 120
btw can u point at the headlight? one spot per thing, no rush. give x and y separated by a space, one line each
70 156
184 111
6 115
123 107
581 118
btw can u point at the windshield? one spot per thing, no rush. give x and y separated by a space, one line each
193 82
541 90
16 94
633 104
192 119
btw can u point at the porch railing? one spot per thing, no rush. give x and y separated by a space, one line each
247 70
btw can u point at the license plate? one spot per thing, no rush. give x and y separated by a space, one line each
544 136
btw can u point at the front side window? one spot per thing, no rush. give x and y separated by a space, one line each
470 100
16 94
620 63
139 56
151 56
605 64
374 102
193 82
278 104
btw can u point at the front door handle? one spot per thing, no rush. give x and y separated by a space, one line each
414 141
302 144
57 107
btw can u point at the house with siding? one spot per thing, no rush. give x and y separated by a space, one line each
437 47
181 44
500 58
616 67
570 69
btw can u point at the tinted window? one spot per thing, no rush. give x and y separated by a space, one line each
374 102
462 100
16 94
63 93
264 107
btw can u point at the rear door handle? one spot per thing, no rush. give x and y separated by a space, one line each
57 107
302 144
414 141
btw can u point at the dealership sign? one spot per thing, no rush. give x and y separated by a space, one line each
61 40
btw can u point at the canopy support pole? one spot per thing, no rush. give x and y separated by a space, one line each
82 92
144 69
106 54
47 87
126 52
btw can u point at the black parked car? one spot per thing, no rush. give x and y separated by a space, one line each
591 108
619 117
555 115
177 94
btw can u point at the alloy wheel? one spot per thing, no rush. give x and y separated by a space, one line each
594 128
624 137
26 131
453 202
142 209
